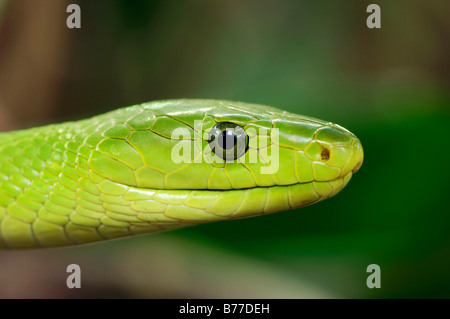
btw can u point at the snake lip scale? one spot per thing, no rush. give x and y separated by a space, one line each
114 175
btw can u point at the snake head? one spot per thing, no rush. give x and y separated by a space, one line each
165 165
223 146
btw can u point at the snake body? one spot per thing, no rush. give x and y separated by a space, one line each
113 175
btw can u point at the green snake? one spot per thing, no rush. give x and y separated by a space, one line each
163 165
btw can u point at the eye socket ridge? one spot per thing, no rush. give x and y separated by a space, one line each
228 140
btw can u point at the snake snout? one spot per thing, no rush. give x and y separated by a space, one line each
340 150
355 158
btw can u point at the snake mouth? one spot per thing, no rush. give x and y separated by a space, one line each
286 197
203 205
334 183
348 175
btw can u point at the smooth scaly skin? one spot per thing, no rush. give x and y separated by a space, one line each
112 175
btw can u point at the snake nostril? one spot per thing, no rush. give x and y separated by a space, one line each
325 154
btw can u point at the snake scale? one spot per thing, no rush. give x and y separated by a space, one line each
115 174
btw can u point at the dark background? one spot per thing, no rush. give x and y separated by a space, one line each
389 86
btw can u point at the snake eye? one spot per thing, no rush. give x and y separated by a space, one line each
228 141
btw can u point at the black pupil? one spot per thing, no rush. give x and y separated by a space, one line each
227 140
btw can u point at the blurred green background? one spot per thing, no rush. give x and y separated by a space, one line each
389 86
